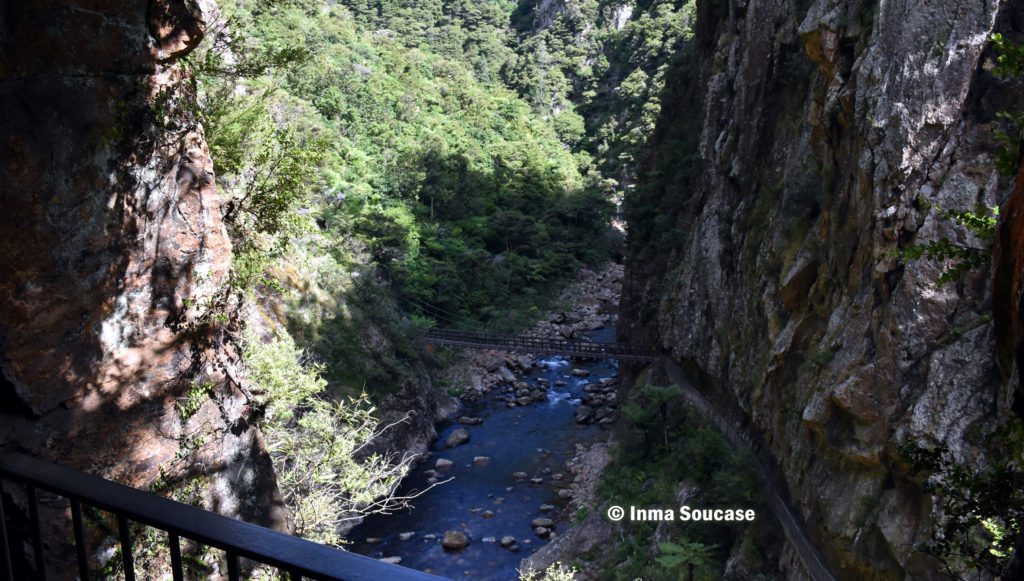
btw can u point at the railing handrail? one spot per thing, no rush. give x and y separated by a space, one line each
247 540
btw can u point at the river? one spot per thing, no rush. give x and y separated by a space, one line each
486 501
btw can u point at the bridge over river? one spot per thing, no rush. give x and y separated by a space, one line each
539 345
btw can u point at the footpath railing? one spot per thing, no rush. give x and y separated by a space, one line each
539 345
809 556
297 558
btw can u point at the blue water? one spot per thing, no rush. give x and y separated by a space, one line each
521 439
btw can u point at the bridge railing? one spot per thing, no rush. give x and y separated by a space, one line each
540 345
297 558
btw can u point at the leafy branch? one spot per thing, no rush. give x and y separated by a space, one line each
960 257
982 511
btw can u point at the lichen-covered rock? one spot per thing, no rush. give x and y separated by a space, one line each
798 147
112 252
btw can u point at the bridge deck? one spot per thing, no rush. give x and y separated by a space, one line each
539 345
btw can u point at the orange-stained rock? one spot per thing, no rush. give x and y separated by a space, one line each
1008 289
111 246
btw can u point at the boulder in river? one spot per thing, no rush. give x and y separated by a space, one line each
456 438
519 475
443 464
542 522
584 414
506 374
455 540
481 459
542 531
391 560
470 421
580 372
508 541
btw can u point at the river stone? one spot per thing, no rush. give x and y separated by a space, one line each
564 493
542 531
430 473
507 541
584 414
391 560
455 540
406 536
580 372
430 537
489 540
481 459
374 540
542 522
443 464
456 438
487 514
546 507
506 374
537 481
470 421
519 475
559 383
524 401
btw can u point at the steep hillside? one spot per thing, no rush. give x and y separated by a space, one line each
800 147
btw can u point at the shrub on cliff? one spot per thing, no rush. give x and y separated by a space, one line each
318 445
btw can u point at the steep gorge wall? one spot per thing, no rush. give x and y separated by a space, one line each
112 251
799 144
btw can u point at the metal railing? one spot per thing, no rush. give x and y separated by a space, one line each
540 345
297 558
808 554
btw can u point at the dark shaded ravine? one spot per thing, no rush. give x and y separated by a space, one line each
537 440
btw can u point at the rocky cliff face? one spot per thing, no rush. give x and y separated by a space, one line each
800 143
112 254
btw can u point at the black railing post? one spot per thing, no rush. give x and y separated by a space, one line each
175 544
6 568
37 533
80 550
126 548
234 572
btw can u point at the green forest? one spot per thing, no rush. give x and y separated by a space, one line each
421 148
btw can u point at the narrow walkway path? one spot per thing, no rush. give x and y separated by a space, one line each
808 554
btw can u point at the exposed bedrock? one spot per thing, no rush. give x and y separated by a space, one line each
112 252
816 138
